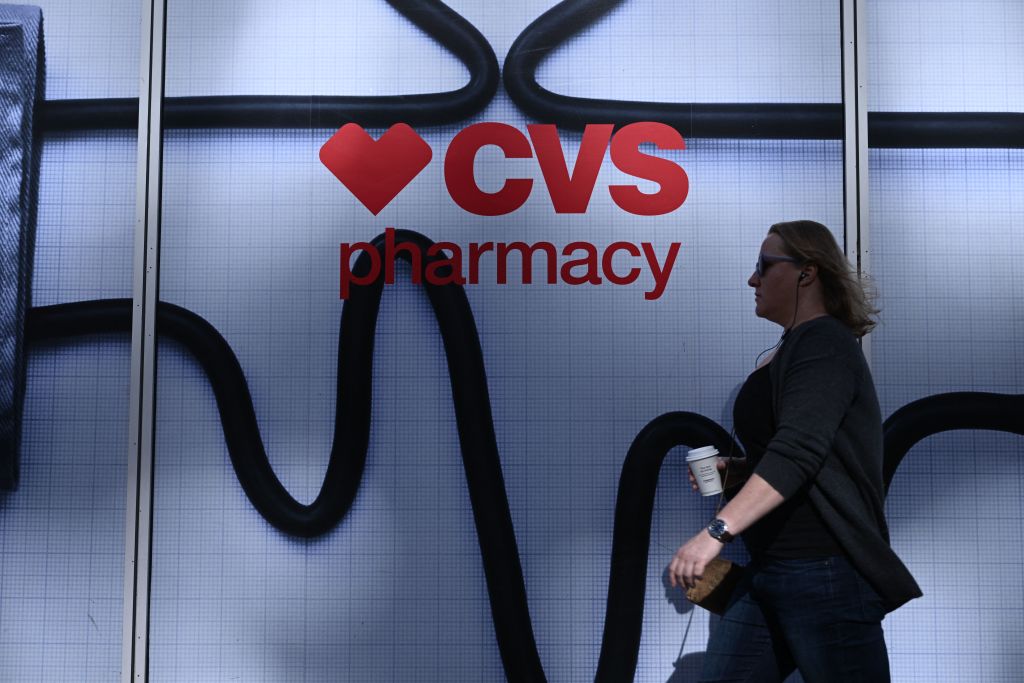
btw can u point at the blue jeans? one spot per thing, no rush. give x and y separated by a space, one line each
816 615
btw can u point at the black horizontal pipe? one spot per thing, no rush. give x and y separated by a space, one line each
946 130
792 121
735 121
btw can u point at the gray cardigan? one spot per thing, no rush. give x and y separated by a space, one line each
829 431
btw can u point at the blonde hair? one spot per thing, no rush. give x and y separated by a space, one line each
848 296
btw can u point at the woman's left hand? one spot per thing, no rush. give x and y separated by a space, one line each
691 558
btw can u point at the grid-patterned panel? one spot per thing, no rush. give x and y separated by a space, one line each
92 48
725 51
945 55
251 229
62 530
951 298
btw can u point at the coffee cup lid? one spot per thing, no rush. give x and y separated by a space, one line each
701 453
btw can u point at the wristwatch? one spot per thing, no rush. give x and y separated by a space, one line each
719 530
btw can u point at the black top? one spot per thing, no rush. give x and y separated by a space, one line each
794 529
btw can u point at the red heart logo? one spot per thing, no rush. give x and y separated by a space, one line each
375 171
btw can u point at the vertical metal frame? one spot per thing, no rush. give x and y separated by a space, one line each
855 138
145 274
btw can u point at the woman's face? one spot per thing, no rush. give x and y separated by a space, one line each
775 289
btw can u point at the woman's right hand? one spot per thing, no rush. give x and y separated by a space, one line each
738 472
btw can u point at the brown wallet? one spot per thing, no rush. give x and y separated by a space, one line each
716 586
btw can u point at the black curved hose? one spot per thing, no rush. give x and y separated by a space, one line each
631 536
567 18
435 18
811 121
481 461
945 412
502 567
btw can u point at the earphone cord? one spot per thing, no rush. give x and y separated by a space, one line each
796 309
718 508
732 434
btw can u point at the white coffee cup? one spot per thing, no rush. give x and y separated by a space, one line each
703 463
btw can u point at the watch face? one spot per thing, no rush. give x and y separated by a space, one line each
717 528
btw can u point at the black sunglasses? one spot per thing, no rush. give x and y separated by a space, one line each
764 261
